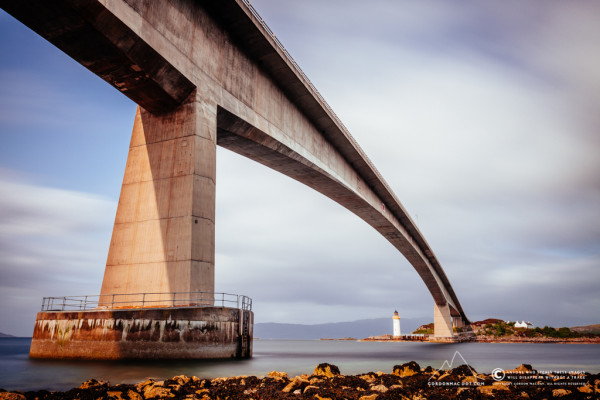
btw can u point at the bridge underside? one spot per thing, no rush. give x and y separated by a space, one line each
245 139
207 73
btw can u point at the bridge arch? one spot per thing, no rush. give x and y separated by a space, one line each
282 153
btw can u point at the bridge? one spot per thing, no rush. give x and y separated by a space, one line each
208 73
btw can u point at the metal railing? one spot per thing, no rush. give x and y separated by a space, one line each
146 300
296 66
316 93
303 76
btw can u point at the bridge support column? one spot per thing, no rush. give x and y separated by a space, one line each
164 233
442 321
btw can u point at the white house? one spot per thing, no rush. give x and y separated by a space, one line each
523 324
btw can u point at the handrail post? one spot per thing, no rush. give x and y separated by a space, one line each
85 302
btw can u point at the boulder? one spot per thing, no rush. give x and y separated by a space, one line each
310 387
181 379
470 379
140 386
326 370
407 369
379 388
524 368
586 389
491 389
429 370
11 396
116 395
296 383
560 392
370 397
94 383
277 375
134 395
368 378
157 390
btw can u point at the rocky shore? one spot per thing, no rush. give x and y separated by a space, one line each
407 381
517 339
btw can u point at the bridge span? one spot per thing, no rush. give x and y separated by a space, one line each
207 73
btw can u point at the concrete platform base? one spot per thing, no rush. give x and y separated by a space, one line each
448 339
149 333
457 338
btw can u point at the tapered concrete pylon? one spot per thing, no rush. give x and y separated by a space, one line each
442 321
164 233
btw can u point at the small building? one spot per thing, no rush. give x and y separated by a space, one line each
523 324
396 324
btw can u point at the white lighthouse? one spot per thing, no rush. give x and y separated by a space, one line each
396 324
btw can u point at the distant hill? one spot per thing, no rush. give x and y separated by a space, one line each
5 335
587 328
356 329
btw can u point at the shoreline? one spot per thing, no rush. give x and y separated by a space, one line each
405 381
480 340
559 341
484 341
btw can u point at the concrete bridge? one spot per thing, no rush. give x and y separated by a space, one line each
208 73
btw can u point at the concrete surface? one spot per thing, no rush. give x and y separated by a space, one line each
442 321
168 333
164 234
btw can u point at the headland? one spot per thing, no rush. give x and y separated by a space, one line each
493 330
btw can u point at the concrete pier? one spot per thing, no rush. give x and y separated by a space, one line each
164 233
442 321
449 326
156 333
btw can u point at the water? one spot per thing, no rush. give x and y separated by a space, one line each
18 372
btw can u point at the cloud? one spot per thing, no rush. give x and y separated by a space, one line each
299 254
53 242
483 121
483 118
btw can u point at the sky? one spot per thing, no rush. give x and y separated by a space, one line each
483 117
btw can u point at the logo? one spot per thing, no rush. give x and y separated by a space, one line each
498 374
449 365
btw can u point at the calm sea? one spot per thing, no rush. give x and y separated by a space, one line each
18 372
